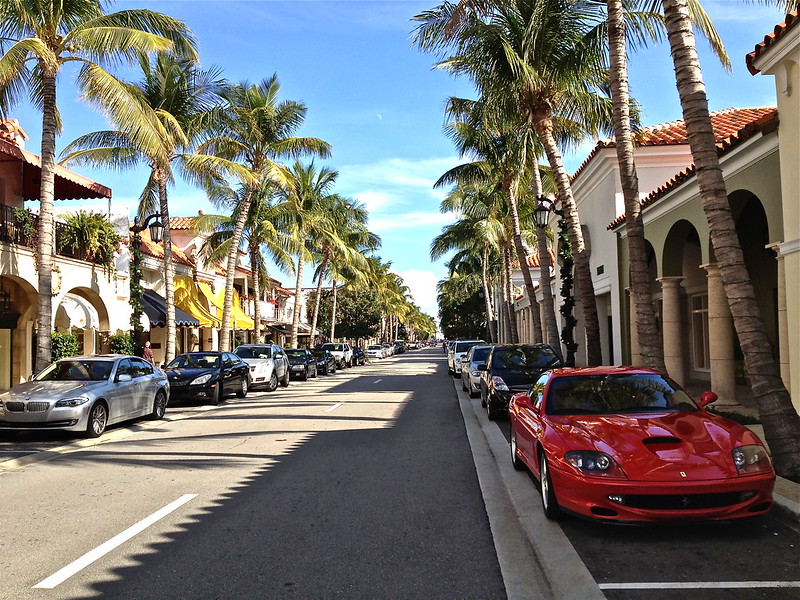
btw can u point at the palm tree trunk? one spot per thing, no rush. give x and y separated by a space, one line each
230 274
256 285
44 250
298 289
522 257
543 125
491 324
781 422
169 267
334 306
322 268
545 281
510 313
650 345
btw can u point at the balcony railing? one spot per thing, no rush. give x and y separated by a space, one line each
23 232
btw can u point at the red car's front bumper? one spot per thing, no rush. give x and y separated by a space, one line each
721 499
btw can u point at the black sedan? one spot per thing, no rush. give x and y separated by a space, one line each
207 376
512 368
326 362
302 364
359 358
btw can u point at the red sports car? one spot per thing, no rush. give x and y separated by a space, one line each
627 444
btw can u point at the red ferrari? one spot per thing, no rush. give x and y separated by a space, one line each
629 445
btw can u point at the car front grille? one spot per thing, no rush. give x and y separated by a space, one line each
29 407
686 502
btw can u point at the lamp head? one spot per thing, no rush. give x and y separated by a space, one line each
544 206
156 230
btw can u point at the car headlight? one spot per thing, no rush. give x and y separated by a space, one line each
202 379
71 402
499 384
475 373
590 462
751 459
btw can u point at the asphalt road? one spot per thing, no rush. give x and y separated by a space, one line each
356 485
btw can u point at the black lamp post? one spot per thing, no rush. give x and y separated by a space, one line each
541 213
156 227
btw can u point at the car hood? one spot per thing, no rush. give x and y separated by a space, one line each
186 373
48 389
297 360
518 379
254 362
659 447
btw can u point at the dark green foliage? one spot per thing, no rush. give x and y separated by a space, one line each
357 314
462 316
63 345
568 306
120 343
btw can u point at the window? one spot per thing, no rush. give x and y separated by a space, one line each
698 306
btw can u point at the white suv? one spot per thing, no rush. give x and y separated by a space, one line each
457 351
342 352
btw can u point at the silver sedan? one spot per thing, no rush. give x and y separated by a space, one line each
86 393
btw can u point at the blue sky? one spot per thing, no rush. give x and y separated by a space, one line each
377 101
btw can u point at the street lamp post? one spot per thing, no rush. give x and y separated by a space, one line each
153 223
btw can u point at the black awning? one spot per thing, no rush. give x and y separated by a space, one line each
155 307
286 329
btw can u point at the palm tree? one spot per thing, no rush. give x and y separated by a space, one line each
781 422
39 37
255 130
174 95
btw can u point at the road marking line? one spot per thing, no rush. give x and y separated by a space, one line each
93 555
681 585
334 407
377 381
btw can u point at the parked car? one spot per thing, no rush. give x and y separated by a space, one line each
302 363
326 362
470 375
512 368
268 364
208 376
86 393
359 358
626 444
375 351
342 351
388 349
456 352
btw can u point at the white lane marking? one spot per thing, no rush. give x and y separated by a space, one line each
334 407
689 585
91 556
377 381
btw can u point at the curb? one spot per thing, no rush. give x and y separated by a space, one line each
786 499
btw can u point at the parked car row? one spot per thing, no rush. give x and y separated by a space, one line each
618 444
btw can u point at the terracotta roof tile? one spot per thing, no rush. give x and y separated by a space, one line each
766 123
792 19
150 248
181 222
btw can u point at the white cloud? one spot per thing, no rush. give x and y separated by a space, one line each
423 289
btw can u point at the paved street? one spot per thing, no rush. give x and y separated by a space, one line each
382 481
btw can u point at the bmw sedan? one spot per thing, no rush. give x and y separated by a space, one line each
629 445
208 376
86 393
268 365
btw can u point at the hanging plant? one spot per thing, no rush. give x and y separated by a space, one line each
27 231
568 299
93 235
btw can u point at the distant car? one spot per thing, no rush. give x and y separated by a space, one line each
86 393
470 375
302 363
456 352
512 368
208 376
342 351
326 362
268 364
626 444
359 358
375 351
388 349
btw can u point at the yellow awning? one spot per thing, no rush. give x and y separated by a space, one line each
239 320
186 298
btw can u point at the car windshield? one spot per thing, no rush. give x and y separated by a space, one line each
375 348
524 357
480 354
77 370
336 347
253 352
195 361
319 353
615 394
295 352
464 346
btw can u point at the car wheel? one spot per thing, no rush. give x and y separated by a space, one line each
272 385
98 419
304 375
549 500
285 380
463 385
216 397
473 393
350 364
491 413
159 406
315 371
242 391
515 460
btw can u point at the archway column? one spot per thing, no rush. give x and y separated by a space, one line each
720 338
783 318
672 328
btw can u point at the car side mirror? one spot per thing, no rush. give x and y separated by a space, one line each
482 367
707 398
279 355
523 401
122 377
